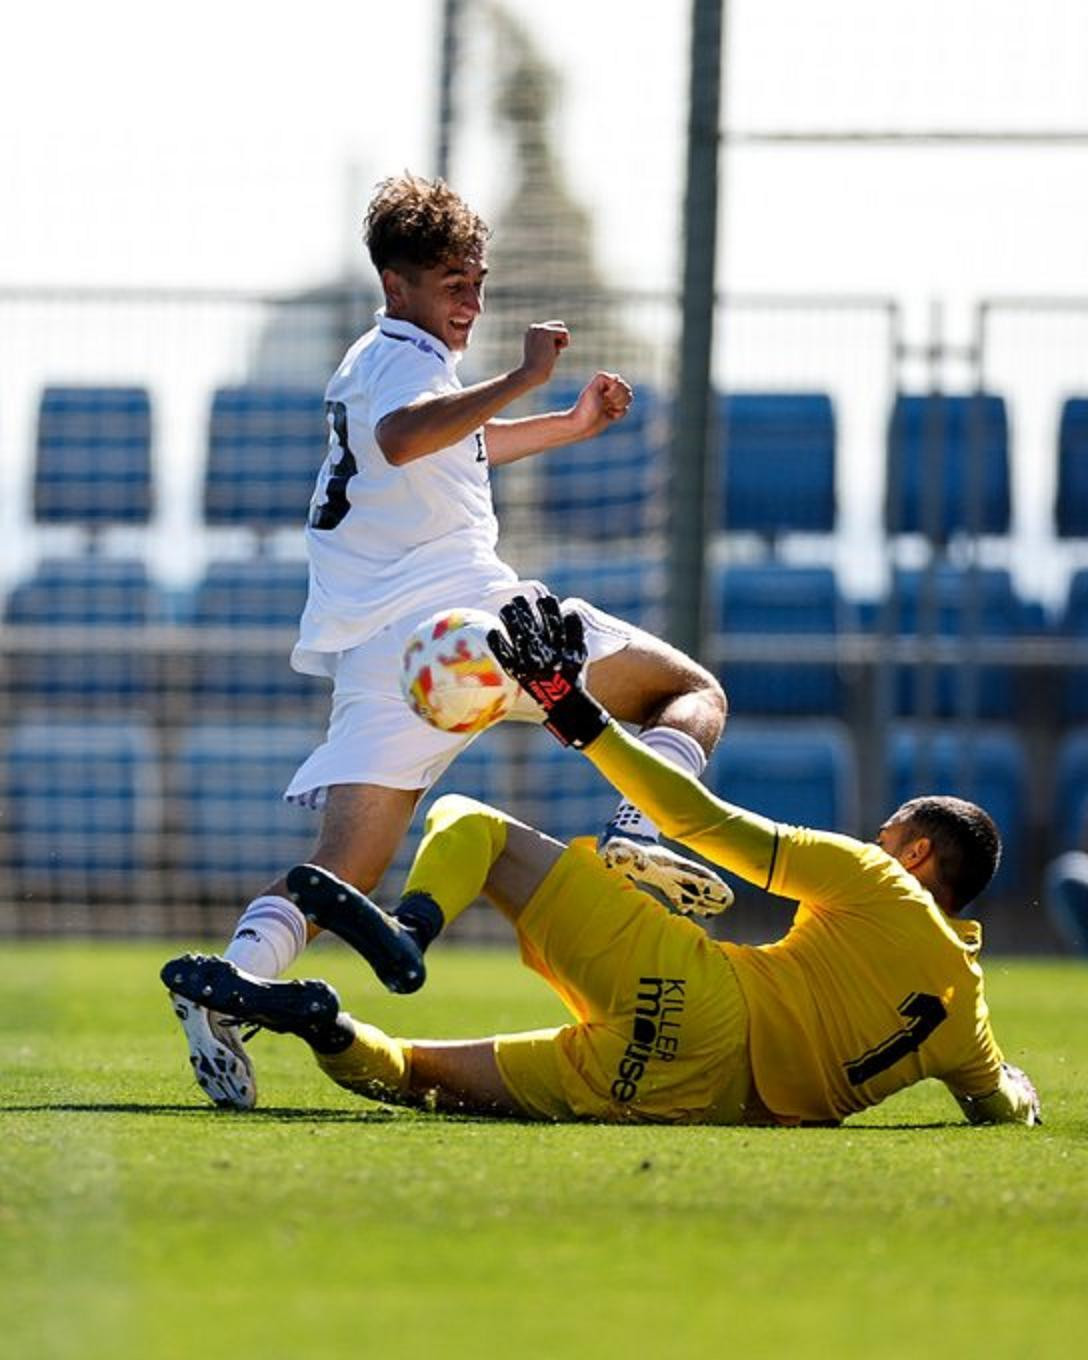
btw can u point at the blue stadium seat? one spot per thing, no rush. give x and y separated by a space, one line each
778 468
84 803
1074 624
265 446
933 444
561 796
115 596
1000 614
804 774
227 781
631 587
93 463
86 592
988 767
262 592
265 593
774 600
612 486
1070 820
1071 500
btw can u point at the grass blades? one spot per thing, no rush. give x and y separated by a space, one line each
136 1221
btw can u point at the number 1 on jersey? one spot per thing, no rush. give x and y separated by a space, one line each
924 1013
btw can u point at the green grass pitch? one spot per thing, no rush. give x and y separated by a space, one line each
135 1221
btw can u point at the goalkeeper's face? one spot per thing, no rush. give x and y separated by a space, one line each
443 300
901 839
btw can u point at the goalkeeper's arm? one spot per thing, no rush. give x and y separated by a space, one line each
545 651
743 842
1013 1101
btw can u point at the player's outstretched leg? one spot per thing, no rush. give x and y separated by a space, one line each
390 947
308 1008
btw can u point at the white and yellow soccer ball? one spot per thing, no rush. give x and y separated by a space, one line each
450 676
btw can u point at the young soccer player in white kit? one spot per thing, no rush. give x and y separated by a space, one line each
401 524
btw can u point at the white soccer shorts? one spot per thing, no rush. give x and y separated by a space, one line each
375 738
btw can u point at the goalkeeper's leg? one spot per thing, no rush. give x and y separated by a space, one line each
462 841
461 1076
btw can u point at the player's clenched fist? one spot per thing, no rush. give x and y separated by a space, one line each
543 342
605 398
614 393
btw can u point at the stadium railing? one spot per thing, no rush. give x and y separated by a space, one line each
199 636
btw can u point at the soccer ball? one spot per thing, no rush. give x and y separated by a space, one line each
449 675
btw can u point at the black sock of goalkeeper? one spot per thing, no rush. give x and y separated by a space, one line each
419 913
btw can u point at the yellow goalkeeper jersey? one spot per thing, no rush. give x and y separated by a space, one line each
872 989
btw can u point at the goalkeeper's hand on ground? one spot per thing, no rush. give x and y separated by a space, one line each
1015 1101
545 652
1021 1080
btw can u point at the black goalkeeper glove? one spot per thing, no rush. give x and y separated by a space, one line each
546 656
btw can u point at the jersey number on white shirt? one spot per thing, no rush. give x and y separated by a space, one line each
336 504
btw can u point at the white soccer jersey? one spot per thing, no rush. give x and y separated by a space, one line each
385 541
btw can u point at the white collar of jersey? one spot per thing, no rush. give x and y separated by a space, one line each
423 340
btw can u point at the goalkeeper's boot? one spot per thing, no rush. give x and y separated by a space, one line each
221 1065
683 884
308 1008
391 949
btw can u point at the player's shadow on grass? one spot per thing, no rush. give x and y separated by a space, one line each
897 1126
268 1113
283 1114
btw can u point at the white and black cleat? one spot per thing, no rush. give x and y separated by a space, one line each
221 1065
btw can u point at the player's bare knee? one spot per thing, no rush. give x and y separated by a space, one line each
706 690
678 692
652 683
710 695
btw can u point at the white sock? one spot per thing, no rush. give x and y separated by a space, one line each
678 749
269 937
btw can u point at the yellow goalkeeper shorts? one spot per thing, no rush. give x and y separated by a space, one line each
662 1028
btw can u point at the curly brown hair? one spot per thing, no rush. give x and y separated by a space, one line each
414 223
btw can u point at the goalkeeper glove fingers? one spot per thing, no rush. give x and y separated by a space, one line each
545 652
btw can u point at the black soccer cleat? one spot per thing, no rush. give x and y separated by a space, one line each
307 1007
390 949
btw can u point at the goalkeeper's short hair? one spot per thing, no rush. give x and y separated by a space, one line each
965 840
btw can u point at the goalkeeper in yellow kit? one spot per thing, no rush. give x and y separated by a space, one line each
876 985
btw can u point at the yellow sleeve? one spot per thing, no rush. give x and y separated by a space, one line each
990 1090
827 867
741 841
